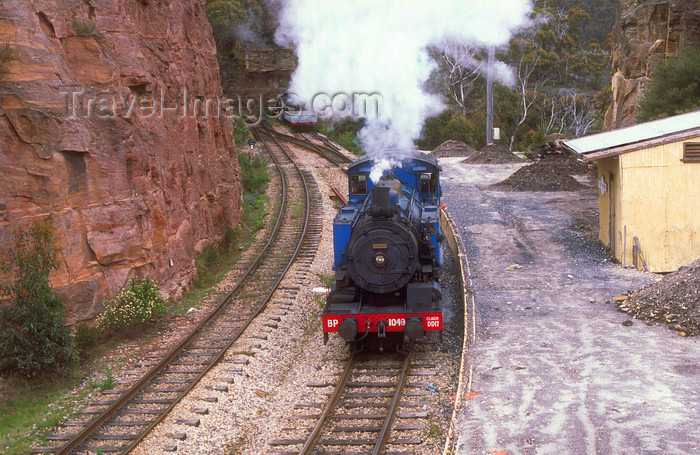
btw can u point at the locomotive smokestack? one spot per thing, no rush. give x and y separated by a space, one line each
383 202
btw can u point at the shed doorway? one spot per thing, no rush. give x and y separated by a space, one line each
611 228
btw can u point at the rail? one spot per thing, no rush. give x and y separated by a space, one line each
90 430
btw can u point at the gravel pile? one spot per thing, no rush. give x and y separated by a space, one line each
550 173
675 300
493 154
449 149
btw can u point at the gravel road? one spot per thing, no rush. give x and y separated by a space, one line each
553 368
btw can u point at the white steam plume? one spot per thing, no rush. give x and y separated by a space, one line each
381 47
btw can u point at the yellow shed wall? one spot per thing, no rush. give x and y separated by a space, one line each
606 167
660 204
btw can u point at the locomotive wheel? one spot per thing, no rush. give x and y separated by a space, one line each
382 256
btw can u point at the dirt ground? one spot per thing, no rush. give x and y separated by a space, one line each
552 367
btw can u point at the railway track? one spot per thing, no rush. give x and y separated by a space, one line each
324 139
368 410
119 423
332 154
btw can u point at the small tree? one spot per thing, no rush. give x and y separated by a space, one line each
674 87
33 337
462 70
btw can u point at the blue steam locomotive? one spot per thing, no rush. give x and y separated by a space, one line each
388 254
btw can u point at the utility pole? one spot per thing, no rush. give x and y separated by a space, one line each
489 97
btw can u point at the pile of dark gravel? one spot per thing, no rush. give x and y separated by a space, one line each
552 172
493 154
450 149
565 163
675 300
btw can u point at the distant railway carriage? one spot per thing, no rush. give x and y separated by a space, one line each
388 253
296 115
300 118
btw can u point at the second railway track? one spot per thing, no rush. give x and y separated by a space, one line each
118 423
327 151
378 405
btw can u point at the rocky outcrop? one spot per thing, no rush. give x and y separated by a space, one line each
646 32
104 131
266 67
266 70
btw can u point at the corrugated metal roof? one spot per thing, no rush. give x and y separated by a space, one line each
634 134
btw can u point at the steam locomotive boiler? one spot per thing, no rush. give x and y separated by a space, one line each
388 254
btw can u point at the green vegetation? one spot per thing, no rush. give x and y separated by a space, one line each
86 338
674 87
600 12
435 431
255 179
343 132
453 125
326 279
35 344
208 264
7 55
138 303
83 26
226 17
108 382
254 174
33 337
214 260
560 85
32 408
241 133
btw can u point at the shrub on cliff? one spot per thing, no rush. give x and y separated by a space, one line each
137 303
7 55
83 26
674 87
33 337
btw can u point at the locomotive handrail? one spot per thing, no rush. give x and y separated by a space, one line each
361 211
409 213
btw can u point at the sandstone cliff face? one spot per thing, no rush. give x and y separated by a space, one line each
98 133
646 32
266 70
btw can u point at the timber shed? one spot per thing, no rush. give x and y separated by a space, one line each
649 190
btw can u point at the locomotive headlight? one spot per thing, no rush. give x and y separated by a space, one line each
380 260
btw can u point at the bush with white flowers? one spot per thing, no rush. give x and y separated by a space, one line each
137 303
